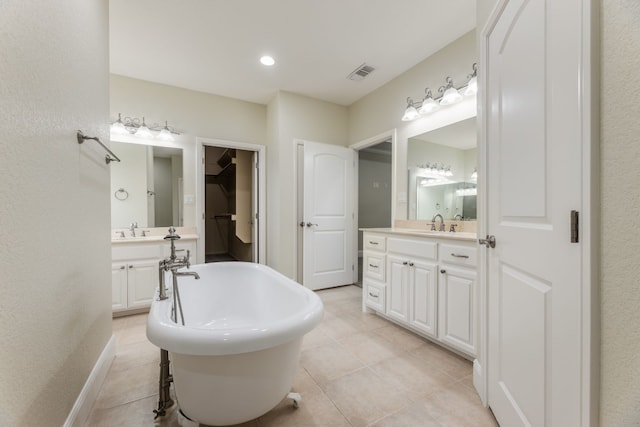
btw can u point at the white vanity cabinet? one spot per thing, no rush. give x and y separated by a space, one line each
428 284
135 270
458 296
133 284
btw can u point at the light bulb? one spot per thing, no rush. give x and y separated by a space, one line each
472 86
143 131
118 128
428 103
451 96
410 113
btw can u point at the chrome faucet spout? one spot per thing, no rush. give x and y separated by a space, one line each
187 273
433 221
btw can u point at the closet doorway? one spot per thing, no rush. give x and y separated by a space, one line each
231 180
374 187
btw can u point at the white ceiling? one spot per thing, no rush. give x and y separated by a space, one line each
214 46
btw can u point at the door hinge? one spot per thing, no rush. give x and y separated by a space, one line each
353 267
575 224
203 216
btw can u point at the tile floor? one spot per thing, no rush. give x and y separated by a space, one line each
356 369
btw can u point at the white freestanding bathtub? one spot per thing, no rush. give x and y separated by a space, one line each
237 354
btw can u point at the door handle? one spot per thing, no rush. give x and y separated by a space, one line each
489 241
311 225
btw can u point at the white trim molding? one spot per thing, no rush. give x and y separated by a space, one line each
82 407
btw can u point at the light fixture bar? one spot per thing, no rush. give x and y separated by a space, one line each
137 127
450 94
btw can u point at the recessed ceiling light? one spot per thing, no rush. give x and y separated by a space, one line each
267 60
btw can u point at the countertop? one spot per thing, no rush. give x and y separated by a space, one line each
149 239
465 236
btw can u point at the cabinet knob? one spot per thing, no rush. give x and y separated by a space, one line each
410 264
131 266
122 267
443 271
405 262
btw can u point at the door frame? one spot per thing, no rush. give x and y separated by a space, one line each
589 210
356 147
261 223
298 186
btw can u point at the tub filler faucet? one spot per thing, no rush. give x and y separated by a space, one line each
172 264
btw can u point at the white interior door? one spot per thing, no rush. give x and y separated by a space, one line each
534 144
328 216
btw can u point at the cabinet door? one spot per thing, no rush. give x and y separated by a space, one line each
457 289
423 297
142 280
118 286
397 294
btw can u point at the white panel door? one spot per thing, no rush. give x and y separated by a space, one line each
328 216
533 151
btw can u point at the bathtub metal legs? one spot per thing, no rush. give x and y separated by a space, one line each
296 397
164 384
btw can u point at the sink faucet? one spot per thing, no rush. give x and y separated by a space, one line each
133 227
433 220
452 228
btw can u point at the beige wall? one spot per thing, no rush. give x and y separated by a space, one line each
381 110
54 204
195 114
620 236
293 117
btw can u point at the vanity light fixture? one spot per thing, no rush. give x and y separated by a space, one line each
410 113
472 86
428 103
474 175
436 169
137 127
449 95
165 133
143 131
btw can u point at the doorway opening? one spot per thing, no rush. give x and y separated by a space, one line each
230 197
374 191
228 208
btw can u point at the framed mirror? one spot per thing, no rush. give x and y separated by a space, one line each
442 172
146 186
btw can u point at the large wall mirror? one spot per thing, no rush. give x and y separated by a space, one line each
146 186
442 172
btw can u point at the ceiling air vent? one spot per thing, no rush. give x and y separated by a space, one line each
361 72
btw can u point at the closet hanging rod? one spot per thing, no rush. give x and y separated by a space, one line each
109 157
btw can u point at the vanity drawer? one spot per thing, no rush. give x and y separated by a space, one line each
374 242
415 248
374 295
373 265
458 254
129 251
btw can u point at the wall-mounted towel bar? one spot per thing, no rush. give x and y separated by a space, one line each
109 157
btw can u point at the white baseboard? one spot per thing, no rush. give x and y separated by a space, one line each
81 409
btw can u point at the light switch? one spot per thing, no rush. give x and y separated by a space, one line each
189 199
